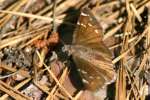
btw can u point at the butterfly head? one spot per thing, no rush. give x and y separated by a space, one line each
67 48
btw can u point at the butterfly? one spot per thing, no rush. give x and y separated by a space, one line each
91 56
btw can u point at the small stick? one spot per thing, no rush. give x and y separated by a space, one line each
9 75
54 16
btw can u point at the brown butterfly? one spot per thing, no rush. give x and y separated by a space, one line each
91 56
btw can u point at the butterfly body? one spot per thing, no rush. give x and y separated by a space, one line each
86 53
92 58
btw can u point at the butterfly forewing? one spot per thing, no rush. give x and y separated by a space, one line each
85 26
91 56
88 32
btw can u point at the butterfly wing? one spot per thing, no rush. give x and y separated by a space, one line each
88 34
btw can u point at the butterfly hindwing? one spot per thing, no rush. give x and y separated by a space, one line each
93 64
90 76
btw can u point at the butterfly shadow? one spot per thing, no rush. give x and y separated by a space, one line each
66 36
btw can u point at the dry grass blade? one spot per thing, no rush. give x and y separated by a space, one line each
16 87
121 85
34 16
112 32
13 93
126 52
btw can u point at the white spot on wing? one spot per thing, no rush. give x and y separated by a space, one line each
79 70
89 24
85 81
83 25
91 77
78 23
84 14
96 31
84 72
